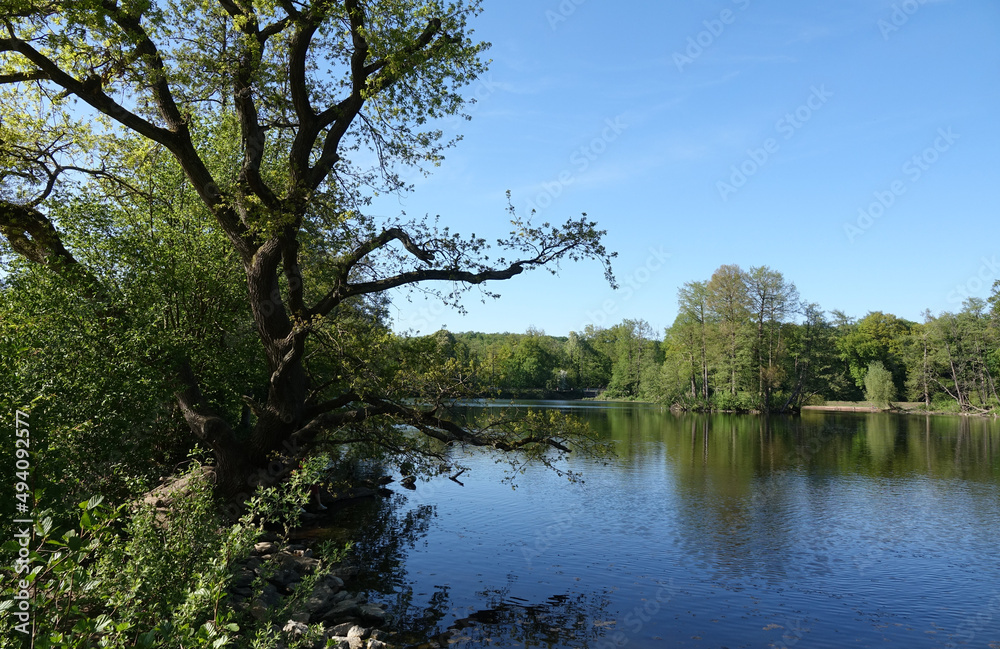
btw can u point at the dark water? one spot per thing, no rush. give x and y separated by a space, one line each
826 530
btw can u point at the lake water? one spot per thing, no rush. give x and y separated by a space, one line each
825 530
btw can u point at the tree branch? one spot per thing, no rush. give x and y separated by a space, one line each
338 295
19 77
32 235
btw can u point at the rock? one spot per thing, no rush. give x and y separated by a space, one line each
337 642
342 629
294 628
265 547
345 572
335 583
285 579
374 614
243 580
322 597
346 608
409 482
296 562
267 600
356 632
377 644
341 596
348 642
253 563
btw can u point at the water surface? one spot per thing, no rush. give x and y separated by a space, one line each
825 530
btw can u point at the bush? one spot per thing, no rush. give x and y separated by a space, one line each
879 387
139 580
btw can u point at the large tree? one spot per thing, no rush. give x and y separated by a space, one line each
282 117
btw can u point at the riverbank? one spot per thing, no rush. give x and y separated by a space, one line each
902 408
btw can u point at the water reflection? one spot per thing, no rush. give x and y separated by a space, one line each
386 530
709 530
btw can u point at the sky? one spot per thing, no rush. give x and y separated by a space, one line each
853 146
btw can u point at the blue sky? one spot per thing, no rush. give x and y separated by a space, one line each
851 145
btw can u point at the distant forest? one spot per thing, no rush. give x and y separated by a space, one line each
744 340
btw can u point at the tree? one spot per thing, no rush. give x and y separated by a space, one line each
632 352
729 302
692 302
876 337
772 299
879 386
282 118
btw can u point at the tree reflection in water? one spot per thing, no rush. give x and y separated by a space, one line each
383 533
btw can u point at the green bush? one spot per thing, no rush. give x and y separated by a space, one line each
879 387
139 580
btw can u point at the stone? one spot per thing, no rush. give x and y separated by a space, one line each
335 583
243 579
268 598
285 579
337 642
294 628
296 562
345 572
373 614
320 600
342 629
346 608
265 547
377 644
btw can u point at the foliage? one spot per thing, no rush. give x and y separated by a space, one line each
879 388
283 504
133 576
195 178
122 578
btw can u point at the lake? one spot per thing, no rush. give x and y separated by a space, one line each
825 530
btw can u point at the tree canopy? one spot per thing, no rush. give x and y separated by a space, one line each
187 181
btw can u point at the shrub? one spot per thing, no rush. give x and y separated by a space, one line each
879 387
139 580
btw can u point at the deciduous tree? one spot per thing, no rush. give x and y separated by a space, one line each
282 119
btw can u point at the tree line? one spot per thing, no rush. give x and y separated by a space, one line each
745 340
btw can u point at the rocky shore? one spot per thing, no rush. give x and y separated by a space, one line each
273 573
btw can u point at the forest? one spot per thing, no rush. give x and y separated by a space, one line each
743 340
